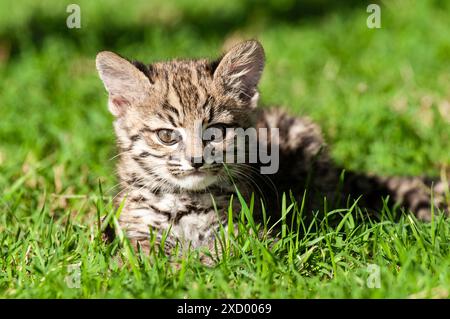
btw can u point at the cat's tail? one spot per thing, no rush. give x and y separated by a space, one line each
419 195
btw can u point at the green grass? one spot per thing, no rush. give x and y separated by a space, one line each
381 97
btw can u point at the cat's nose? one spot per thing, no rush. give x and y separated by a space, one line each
196 162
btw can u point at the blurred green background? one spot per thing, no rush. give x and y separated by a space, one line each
381 96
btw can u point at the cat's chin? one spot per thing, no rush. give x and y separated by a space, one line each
196 182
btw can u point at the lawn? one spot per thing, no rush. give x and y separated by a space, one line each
381 96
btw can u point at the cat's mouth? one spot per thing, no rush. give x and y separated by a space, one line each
191 172
206 170
195 179
197 172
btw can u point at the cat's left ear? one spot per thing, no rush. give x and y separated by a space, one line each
240 70
127 85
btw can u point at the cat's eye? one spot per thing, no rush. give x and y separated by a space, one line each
168 137
216 132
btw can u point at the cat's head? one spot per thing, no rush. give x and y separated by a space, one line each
163 109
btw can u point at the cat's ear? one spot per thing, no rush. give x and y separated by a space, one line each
240 69
127 85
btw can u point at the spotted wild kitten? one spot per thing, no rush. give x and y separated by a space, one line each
161 111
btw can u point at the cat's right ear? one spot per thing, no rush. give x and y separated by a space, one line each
127 85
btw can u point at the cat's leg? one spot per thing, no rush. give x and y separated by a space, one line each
199 232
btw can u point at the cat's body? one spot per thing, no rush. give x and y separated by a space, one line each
166 185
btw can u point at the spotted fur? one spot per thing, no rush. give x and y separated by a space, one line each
161 187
